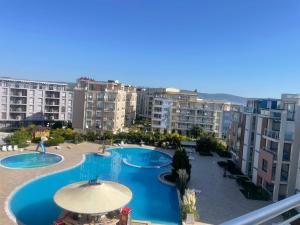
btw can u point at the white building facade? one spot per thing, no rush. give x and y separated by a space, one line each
29 101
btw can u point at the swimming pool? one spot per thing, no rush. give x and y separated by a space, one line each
30 160
152 200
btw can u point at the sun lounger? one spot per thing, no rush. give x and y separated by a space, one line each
9 148
4 149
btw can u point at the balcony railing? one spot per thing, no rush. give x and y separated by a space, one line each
271 133
268 213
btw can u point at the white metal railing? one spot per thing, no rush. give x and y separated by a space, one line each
271 133
269 212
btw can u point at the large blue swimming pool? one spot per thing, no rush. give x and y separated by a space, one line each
152 200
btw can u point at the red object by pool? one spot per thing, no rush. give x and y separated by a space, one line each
126 211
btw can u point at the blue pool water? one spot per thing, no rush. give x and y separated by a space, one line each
147 159
152 200
30 160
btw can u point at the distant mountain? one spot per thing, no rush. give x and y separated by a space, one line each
224 97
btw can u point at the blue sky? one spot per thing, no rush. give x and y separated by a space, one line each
245 47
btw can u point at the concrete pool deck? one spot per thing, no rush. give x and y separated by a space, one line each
219 200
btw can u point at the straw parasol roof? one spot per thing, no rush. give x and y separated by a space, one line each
93 197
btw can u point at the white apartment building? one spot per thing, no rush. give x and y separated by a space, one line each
29 101
172 109
103 105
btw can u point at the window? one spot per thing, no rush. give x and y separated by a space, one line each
3 107
284 172
4 91
286 156
98 114
99 105
89 105
89 114
290 107
3 115
4 99
265 165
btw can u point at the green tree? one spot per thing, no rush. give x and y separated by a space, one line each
180 161
19 137
196 132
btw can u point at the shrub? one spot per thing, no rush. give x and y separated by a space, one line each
68 134
189 204
20 138
181 181
232 168
224 154
180 161
222 164
54 141
251 191
77 138
91 136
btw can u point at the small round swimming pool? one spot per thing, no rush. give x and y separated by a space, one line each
30 160
145 158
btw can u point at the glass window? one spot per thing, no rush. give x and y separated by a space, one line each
286 156
290 107
89 114
265 165
284 172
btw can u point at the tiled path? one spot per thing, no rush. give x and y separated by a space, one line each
220 199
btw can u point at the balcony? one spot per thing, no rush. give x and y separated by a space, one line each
17 102
272 151
271 134
266 214
274 114
52 102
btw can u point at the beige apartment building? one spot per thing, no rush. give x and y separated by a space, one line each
172 109
29 101
130 108
270 148
103 105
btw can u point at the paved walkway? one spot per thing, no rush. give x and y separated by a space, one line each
220 199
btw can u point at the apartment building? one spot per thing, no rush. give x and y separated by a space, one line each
103 105
235 135
130 108
29 101
172 109
270 152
